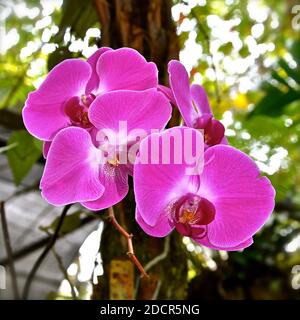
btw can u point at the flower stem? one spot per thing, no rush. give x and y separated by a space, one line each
130 253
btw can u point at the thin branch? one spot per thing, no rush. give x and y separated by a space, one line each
156 291
44 253
160 257
28 249
128 236
24 190
65 273
9 252
31 247
8 147
154 262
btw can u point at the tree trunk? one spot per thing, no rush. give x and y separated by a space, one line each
147 26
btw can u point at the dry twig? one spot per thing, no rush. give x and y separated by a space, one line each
44 253
128 236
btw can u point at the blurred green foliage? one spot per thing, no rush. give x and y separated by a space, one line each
23 156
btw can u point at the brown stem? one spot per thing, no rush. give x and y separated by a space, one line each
44 253
9 252
128 236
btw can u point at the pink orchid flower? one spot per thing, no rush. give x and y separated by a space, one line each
78 170
67 93
221 208
193 105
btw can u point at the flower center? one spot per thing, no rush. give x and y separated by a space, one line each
113 162
109 151
188 216
191 215
76 108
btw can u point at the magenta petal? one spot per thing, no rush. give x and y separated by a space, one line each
205 242
144 110
157 186
46 147
179 82
224 141
216 132
199 97
127 69
243 200
168 93
43 113
204 121
161 229
115 182
198 231
93 83
72 171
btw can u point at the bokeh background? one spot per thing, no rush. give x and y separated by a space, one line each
246 54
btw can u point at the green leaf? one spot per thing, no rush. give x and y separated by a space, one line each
226 48
295 51
275 101
275 75
23 156
71 223
38 144
262 126
293 73
244 52
77 15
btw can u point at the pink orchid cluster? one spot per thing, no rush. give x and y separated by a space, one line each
98 120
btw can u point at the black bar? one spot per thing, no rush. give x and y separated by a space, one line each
90 310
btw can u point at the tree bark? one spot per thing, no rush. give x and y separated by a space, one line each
147 26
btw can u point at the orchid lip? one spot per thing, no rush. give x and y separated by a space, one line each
192 214
76 108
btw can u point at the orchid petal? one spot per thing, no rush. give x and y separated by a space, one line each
93 83
243 200
205 242
46 147
71 172
161 229
143 110
168 93
43 113
115 182
127 69
157 184
179 82
200 99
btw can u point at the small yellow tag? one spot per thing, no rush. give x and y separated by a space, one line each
121 280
